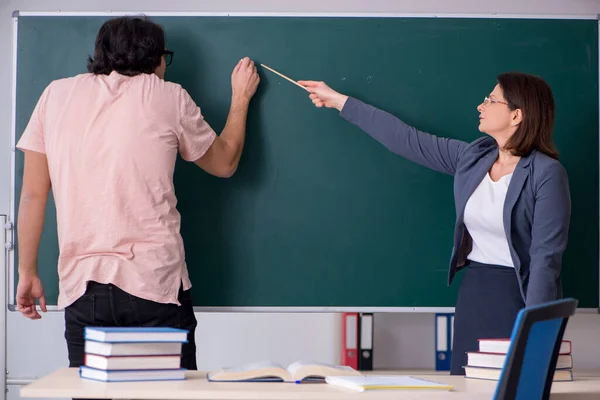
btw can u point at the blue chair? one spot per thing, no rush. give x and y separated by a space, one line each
535 342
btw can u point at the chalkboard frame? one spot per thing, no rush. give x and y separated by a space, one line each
11 267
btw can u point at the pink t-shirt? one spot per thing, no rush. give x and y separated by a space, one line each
111 142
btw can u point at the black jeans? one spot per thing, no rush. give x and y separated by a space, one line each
107 305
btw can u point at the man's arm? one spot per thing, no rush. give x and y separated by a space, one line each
32 209
223 156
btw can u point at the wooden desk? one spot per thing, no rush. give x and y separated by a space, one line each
67 383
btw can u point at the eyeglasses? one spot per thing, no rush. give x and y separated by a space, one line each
487 100
168 56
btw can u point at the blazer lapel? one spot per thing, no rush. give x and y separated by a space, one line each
513 192
483 167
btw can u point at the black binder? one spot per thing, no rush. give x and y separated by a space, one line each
365 342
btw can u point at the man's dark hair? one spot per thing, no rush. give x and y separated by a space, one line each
129 46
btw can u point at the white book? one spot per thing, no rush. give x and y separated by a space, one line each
493 360
132 362
560 375
502 345
379 382
132 349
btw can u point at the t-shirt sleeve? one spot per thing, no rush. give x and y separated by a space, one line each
195 134
33 136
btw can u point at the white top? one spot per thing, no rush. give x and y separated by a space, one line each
483 219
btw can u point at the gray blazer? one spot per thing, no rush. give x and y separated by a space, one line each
537 207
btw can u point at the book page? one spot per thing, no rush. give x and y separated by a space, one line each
254 366
264 370
301 369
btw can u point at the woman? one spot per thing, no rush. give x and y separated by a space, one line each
512 201
107 142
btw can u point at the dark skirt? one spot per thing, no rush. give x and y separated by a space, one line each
489 300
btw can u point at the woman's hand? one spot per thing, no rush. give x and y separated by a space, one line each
324 96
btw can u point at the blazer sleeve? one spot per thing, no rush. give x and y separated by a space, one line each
440 154
550 229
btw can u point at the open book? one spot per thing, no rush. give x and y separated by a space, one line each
267 371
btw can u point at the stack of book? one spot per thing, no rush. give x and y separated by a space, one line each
133 354
487 363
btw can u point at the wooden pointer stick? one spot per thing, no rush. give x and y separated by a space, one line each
285 77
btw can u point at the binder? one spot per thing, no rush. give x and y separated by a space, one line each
365 340
444 328
349 340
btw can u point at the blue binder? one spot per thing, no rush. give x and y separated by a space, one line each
444 327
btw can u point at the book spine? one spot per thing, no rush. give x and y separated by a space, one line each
349 340
444 324
365 340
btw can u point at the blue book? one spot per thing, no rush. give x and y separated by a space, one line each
132 375
134 334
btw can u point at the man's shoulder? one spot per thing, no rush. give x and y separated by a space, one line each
151 80
160 84
64 86
70 80
175 89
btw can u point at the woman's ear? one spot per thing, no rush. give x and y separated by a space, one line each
517 117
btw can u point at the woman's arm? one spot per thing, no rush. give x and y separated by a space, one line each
549 234
440 154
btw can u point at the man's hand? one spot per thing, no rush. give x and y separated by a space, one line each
223 156
244 80
30 289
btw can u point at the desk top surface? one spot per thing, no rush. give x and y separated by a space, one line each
66 383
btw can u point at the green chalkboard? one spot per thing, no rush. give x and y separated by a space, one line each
319 214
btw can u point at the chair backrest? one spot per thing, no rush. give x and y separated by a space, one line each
535 343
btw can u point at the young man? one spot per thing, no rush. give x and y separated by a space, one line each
106 142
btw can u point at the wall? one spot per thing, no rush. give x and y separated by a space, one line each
401 340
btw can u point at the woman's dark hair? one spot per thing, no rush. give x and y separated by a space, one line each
128 45
534 97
